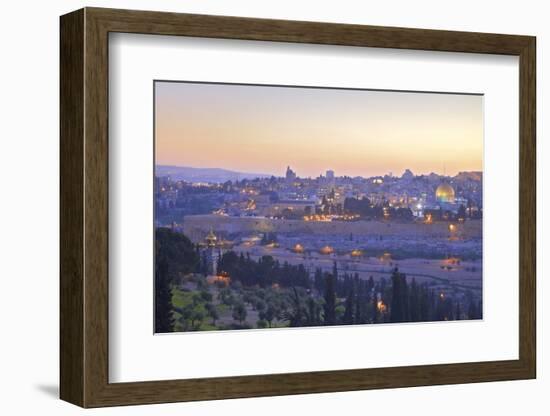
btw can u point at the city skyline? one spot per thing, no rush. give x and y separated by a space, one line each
264 129
281 173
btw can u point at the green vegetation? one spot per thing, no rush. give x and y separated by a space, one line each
174 257
267 294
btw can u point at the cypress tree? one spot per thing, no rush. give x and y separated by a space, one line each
164 321
472 310
319 281
350 306
414 302
405 298
375 311
425 310
397 311
330 300
174 255
338 285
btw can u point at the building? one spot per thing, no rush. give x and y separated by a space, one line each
330 175
279 208
445 194
211 253
290 174
407 175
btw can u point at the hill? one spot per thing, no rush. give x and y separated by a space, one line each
212 175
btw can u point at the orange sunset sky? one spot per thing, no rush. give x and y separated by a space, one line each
262 129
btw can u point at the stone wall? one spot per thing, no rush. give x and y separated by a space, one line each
197 226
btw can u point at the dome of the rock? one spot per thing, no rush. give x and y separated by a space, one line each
445 193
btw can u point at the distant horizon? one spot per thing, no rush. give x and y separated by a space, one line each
254 128
322 173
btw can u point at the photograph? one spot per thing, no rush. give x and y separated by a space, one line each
279 206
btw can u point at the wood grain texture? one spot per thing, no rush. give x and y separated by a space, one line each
84 207
71 208
527 208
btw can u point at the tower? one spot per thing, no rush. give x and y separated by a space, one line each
210 254
290 174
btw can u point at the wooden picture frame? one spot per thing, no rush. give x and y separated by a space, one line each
84 207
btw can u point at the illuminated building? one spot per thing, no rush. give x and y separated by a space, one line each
211 239
298 207
445 194
210 253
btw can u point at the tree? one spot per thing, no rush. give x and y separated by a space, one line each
244 271
318 280
313 312
399 294
229 263
296 313
164 321
205 296
198 268
198 313
350 308
414 303
226 297
239 312
473 311
192 314
175 255
185 315
458 312
203 266
269 313
330 300
425 304
213 312
362 299
375 311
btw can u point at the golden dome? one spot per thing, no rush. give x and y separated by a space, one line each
445 193
326 250
298 248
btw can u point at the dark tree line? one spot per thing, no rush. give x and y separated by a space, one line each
345 298
329 298
264 272
175 255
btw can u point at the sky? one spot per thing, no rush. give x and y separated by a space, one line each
264 129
